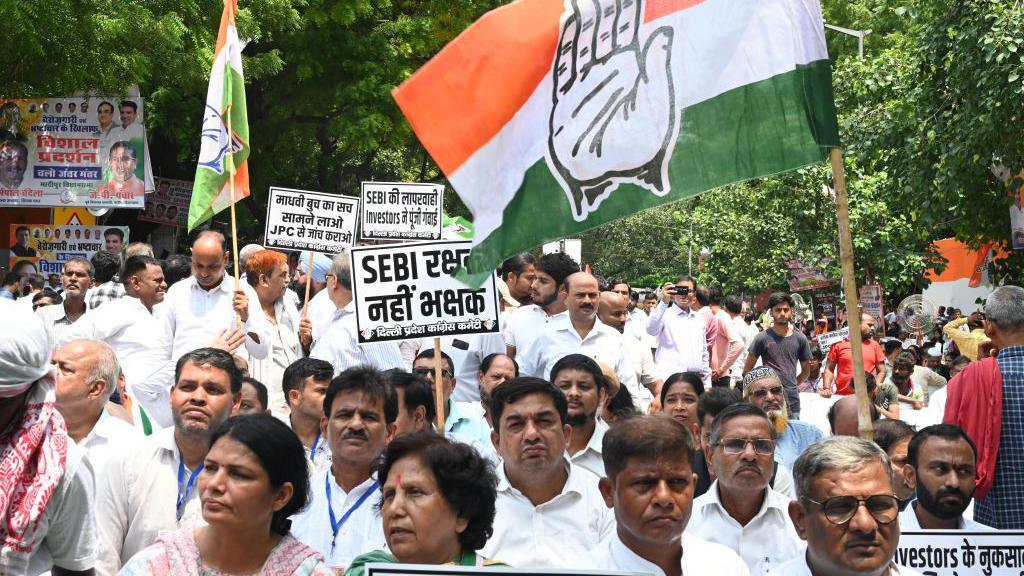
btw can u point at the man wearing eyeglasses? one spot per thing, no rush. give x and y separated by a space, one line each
740 510
681 332
846 511
457 420
763 388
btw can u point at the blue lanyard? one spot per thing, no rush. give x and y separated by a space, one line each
185 488
336 524
312 451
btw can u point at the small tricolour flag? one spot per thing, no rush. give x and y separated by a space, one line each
552 117
222 174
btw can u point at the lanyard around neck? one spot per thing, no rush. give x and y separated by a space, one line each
337 524
185 488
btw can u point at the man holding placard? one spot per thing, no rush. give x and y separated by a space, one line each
339 344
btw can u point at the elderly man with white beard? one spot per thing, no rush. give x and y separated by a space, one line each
763 388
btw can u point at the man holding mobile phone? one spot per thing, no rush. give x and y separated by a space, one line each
680 332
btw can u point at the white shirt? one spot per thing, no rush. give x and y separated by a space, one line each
909 522
747 334
556 533
135 334
68 522
798 567
321 310
138 498
108 438
590 457
284 349
636 323
467 361
363 531
647 372
194 316
522 326
768 540
559 339
340 345
55 318
682 341
700 558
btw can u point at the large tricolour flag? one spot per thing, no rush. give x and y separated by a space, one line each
222 174
550 117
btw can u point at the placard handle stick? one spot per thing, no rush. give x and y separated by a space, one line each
438 387
850 288
309 278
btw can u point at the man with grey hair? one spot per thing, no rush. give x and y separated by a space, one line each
845 510
76 276
339 344
243 257
972 404
87 373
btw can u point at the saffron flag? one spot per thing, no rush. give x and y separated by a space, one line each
550 117
222 174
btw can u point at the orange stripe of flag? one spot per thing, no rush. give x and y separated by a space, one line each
462 97
657 8
227 18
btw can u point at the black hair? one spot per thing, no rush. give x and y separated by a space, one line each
890 346
177 268
108 104
48 293
129 104
465 479
516 388
214 357
106 265
11 278
20 228
685 278
961 361
135 264
36 281
428 353
645 437
516 264
416 392
297 372
365 379
703 295
715 295
127 147
557 265
115 231
281 454
485 364
943 431
905 360
733 304
712 402
583 363
622 405
615 282
736 410
778 298
692 378
261 391
889 432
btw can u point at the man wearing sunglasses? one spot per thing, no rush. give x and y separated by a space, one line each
763 388
845 510
456 419
740 510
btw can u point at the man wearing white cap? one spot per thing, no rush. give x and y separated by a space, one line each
46 487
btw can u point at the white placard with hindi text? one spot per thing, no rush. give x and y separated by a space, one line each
407 291
303 220
962 553
829 339
401 211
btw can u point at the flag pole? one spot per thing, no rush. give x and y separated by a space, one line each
850 290
231 199
309 277
438 387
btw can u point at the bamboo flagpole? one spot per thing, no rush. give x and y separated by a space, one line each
231 200
850 290
309 277
438 387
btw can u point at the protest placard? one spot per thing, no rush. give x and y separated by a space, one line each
407 291
47 247
303 220
829 339
962 553
74 151
871 302
377 569
807 274
401 211
168 205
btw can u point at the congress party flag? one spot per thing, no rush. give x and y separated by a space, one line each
224 150
550 117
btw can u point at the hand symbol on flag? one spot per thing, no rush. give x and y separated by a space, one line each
614 114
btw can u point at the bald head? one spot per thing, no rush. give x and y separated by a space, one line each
582 296
209 257
87 373
842 416
612 310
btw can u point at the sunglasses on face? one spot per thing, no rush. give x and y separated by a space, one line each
763 392
762 446
429 372
841 509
